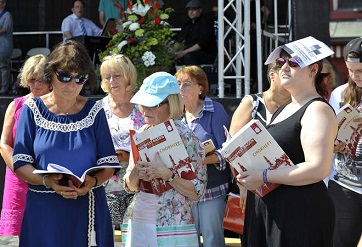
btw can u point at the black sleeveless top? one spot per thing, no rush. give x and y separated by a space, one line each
290 215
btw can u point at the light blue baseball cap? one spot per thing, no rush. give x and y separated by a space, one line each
155 88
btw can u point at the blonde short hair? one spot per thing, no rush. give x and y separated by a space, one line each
33 67
122 65
176 106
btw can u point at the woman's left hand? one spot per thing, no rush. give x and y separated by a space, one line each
251 180
87 185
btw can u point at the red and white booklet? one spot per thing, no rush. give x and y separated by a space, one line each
348 131
253 148
164 139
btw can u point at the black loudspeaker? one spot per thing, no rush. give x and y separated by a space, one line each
311 18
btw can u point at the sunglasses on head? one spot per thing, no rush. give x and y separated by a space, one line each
66 77
116 56
279 62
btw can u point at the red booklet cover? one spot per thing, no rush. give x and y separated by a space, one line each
348 131
252 147
164 139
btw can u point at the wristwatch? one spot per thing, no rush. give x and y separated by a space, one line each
171 178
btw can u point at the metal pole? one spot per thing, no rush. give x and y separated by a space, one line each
220 38
247 45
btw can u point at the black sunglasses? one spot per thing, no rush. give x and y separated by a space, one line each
66 77
279 62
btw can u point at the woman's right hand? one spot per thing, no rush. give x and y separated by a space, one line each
55 182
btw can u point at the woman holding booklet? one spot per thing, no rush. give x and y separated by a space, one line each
299 212
67 129
259 106
156 215
206 119
119 82
345 180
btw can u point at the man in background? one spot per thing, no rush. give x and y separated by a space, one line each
107 10
197 36
76 25
6 46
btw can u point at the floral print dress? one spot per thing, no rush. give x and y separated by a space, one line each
118 200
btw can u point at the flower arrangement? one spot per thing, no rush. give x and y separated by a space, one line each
144 36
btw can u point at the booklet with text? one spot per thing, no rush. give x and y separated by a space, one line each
252 147
164 139
209 146
348 131
77 181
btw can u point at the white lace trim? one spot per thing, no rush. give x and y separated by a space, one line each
62 127
23 157
108 160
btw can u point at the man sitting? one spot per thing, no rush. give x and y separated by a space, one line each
198 36
76 25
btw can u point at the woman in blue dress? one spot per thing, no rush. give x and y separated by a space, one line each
65 128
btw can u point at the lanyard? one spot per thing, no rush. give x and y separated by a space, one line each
2 13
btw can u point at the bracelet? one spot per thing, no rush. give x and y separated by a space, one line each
171 178
44 183
96 181
265 178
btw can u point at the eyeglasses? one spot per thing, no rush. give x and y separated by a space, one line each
33 80
114 77
159 105
186 84
279 62
66 77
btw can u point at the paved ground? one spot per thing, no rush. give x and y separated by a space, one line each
6 241
14 242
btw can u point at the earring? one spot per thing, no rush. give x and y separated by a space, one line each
199 93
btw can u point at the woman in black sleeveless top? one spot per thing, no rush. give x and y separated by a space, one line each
299 212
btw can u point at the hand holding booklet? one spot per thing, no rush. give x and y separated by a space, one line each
77 181
348 130
253 148
165 140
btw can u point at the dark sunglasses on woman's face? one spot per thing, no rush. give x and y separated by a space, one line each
66 77
279 62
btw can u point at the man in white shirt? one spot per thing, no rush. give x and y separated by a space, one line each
76 25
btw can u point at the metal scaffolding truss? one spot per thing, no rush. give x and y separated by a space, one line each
234 61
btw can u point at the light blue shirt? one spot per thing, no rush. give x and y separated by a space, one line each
71 23
6 39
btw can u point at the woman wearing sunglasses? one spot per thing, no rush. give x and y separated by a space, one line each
119 82
65 128
15 189
163 219
299 212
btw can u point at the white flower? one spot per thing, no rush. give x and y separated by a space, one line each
120 45
126 24
134 26
148 58
141 10
165 23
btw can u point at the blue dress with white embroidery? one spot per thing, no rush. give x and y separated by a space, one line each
77 142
